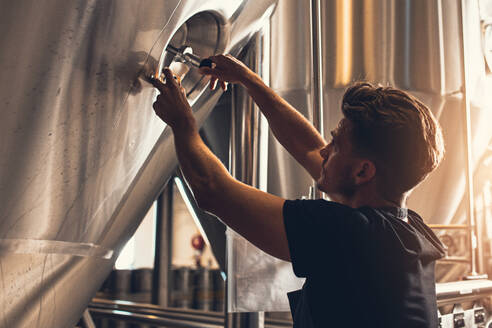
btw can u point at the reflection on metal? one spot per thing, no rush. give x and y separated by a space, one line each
86 156
245 125
389 41
35 247
291 67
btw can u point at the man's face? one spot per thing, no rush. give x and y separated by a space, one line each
337 179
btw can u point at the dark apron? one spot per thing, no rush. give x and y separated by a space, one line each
299 307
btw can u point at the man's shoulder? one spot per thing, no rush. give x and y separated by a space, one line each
317 207
325 212
319 203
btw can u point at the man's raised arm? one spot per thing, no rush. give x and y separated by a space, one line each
254 214
290 127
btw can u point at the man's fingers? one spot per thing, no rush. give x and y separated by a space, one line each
223 84
170 79
158 84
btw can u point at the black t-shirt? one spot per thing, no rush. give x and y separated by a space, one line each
364 267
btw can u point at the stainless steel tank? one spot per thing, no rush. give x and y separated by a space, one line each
82 154
413 45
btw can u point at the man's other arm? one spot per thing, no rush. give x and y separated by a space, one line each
292 129
254 214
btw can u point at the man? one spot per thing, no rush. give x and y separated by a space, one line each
368 261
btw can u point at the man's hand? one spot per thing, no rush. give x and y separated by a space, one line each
290 127
254 214
171 105
226 69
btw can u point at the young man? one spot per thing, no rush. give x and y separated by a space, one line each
368 261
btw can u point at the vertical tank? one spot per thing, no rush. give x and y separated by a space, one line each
82 153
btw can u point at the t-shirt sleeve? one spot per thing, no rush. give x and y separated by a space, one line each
319 232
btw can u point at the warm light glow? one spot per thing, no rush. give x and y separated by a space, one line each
139 251
127 256
344 42
369 41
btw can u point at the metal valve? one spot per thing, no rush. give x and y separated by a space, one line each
185 55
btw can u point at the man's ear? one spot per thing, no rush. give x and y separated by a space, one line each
365 172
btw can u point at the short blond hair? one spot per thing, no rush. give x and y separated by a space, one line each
396 131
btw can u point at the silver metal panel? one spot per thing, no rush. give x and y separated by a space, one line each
290 54
390 41
83 155
413 45
443 198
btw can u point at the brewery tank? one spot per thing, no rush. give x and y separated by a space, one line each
83 154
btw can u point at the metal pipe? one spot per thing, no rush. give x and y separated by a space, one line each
168 315
103 308
462 291
87 320
152 319
244 157
317 77
163 249
472 239
454 259
185 55
146 308
449 226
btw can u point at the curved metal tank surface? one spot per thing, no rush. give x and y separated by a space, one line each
83 155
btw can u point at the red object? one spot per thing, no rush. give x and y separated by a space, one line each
197 242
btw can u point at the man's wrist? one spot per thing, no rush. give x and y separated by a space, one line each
251 80
186 123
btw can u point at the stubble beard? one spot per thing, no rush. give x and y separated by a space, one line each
341 189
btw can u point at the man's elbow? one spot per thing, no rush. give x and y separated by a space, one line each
206 197
211 193
203 201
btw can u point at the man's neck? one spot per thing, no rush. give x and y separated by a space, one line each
372 200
